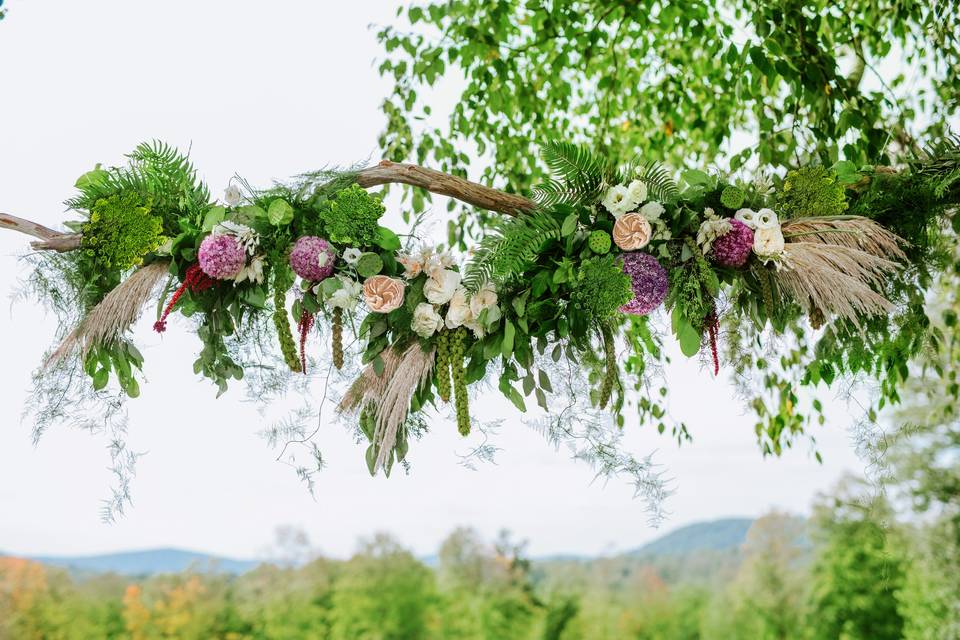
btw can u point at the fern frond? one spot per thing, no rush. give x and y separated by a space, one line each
940 164
155 170
661 186
579 175
509 248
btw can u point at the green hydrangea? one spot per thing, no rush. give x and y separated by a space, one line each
601 287
121 230
351 217
732 197
811 191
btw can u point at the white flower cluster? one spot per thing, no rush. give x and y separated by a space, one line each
475 312
710 229
768 241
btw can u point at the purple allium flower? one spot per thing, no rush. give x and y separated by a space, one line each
221 256
733 248
649 282
312 258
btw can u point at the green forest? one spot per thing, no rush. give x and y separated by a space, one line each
850 571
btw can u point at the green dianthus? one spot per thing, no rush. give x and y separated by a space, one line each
121 231
811 191
601 287
351 217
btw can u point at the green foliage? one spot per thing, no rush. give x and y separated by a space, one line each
351 216
811 191
121 230
158 173
509 246
601 287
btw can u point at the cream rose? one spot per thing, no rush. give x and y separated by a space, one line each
747 217
637 191
767 219
383 294
485 298
441 285
632 232
426 320
459 311
768 242
652 211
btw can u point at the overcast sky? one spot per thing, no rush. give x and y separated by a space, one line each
269 90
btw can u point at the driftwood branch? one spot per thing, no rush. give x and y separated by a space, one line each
384 173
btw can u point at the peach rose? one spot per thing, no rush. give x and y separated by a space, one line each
383 294
632 231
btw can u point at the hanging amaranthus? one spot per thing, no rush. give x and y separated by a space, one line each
337 328
281 282
303 327
713 329
442 365
457 350
610 358
195 281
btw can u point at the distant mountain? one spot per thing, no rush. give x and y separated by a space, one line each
715 535
148 562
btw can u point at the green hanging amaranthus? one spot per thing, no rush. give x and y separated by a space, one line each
442 365
457 351
337 337
610 358
282 282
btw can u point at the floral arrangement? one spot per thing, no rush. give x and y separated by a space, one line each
572 277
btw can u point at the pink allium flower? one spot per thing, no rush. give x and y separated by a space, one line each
312 258
733 248
649 283
221 257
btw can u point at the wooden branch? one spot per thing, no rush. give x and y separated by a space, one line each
444 184
50 240
384 173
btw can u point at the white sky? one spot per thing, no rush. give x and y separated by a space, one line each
269 90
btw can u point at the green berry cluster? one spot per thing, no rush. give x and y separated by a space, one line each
121 231
442 365
732 197
281 282
811 191
351 217
457 352
610 354
599 241
338 337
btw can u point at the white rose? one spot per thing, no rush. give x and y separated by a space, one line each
485 298
768 242
231 195
441 286
638 191
767 219
652 211
459 311
617 200
351 255
426 321
747 217
347 296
